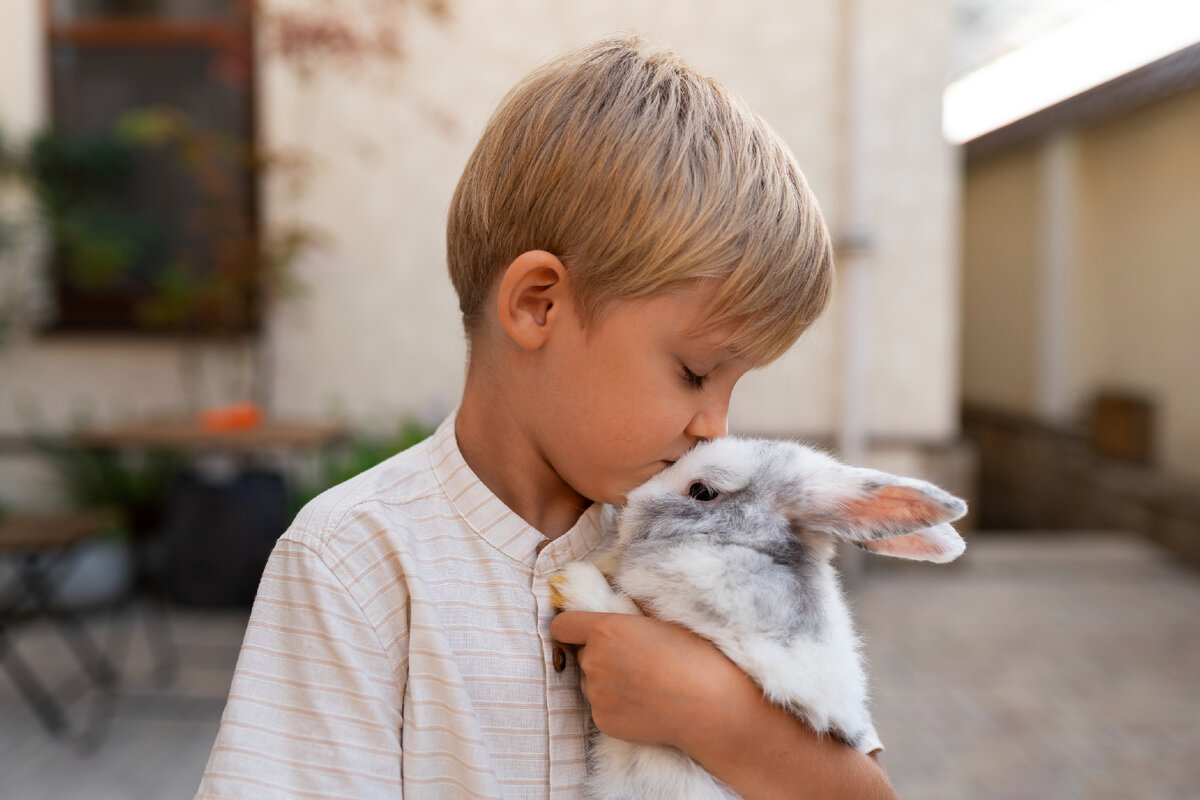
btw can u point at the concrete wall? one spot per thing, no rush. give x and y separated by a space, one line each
1133 282
1000 224
377 334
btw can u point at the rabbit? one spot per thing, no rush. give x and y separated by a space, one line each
734 541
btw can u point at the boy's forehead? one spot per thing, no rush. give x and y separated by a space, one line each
692 314
703 326
688 302
685 314
685 307
714 335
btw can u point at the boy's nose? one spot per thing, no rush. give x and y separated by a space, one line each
710 423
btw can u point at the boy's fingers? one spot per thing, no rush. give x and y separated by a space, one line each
578 627
572 627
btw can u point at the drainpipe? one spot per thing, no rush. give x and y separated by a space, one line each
1055 318
854 250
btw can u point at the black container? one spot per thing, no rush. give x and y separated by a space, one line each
219 534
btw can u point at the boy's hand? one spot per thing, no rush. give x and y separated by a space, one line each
654 682
648 680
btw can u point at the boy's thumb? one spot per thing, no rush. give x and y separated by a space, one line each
572 627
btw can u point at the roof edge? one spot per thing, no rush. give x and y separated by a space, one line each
1170 75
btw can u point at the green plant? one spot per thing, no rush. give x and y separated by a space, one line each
15 307
208 275
117 262
359 454
79 183
138 486
245 270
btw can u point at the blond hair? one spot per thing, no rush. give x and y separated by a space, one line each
642 175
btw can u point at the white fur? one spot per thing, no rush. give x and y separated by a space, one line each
675 557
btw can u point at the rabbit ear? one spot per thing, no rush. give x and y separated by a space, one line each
884 513
938 544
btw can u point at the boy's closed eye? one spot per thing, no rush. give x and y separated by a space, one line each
694 380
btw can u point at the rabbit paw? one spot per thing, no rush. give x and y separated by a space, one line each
579 586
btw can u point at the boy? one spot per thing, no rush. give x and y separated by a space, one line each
626 241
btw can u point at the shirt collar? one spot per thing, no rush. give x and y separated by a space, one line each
495 522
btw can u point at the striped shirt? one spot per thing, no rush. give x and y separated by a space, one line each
400 646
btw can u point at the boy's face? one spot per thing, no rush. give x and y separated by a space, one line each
629 394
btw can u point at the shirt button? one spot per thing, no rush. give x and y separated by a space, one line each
541 546
560 659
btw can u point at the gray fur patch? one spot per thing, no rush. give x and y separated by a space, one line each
770 582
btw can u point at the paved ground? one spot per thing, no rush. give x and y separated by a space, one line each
1064 668
1056 667
157 742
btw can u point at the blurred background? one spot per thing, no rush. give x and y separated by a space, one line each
222 290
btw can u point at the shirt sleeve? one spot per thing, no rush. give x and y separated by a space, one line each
315 707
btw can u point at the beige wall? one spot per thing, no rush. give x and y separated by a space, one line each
1143 201
1000 282
1136 279
378 334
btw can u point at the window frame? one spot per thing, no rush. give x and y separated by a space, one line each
112 311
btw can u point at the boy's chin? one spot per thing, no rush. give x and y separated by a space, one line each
613 494
617 491
621 497
613 499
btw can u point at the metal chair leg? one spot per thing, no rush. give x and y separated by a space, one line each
43 704
36 577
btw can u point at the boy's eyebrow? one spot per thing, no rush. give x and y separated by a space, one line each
708 340
725 352
706 332
719 340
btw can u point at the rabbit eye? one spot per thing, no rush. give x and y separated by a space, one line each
701 492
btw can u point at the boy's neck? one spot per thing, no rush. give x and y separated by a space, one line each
505 457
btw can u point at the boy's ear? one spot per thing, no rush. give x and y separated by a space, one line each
531 295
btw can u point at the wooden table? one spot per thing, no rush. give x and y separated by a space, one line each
187 436
223 514
52 531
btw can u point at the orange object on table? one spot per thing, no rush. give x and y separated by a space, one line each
236 417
